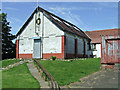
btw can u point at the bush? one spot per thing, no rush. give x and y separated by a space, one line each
53 57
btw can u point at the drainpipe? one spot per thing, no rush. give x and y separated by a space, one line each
42 32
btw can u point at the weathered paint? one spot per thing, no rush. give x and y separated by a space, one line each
63 46
70 44
58 55
51 33
110 49
55 42
80 47
52 45
17 49
76 47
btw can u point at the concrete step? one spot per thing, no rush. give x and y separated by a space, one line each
36 74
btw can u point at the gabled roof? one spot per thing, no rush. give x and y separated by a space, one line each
61 23
96 35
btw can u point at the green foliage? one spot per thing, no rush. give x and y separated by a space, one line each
19 77
8 62
79 80
66 72
53 57
8 47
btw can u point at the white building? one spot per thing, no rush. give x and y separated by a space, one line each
44 35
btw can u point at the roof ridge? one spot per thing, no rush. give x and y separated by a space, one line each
76 30
63 20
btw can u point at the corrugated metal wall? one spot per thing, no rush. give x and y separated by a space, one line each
110 49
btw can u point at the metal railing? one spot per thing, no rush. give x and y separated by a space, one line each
52 83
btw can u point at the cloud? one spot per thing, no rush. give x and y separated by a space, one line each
66 13
14 20
17 19
74 8
76 20
9 8
61 8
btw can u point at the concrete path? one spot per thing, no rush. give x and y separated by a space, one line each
36 74
12 65
101 79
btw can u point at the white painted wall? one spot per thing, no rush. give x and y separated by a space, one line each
52 45
26 46
52 36
51 29
26 41
97 52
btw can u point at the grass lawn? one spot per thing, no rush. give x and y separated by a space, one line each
65 72
19 77
8 62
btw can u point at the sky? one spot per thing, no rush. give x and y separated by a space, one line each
88 16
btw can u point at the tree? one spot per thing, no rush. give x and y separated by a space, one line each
8 47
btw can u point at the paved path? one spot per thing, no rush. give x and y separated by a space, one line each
36 74
12 65
101 79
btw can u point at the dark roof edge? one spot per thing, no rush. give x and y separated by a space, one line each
26 23
41 9
63 20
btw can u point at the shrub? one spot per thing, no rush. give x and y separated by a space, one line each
53 57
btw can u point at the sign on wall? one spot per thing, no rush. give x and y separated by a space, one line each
38 22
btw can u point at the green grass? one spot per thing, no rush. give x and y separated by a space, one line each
65 72
19 77
8 62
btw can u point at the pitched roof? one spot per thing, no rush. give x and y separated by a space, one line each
96 35
61 23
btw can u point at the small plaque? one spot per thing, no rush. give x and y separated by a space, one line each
38 21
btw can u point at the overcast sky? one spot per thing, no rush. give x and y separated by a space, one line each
87 16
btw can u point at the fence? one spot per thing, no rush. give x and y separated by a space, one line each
53 84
